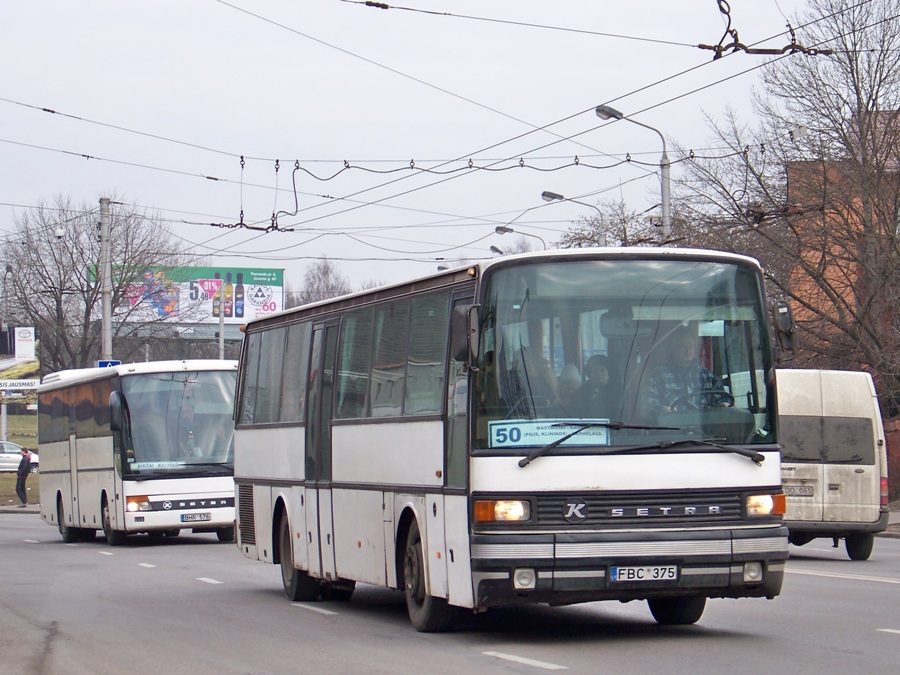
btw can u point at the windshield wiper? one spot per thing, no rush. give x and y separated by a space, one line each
757 457
534 454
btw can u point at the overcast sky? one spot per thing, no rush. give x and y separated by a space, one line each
164 96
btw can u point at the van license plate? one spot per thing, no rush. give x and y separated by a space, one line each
798 490
195 517
648 573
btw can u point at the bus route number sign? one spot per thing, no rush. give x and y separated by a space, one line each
535 433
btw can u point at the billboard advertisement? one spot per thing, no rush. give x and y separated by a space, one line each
204 295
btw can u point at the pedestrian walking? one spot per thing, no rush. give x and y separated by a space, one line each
22 475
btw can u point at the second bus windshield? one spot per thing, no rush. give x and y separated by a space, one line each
674 348
179 421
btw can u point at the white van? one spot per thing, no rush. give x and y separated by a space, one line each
834 458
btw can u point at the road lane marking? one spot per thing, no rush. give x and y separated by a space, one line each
888 630
106 553
855 577
313 608
207 580
526 662
31 541
148 565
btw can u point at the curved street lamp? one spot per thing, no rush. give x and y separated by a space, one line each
505 229
548 196
606 112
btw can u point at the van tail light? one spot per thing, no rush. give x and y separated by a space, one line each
884 491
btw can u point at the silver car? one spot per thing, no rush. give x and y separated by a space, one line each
10 457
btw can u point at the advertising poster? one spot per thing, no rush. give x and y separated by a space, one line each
205 295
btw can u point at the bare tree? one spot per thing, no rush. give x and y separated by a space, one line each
614 225
813 190
54 252
321 281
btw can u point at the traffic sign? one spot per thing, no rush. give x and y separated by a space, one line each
108 364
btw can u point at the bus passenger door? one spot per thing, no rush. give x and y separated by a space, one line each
319 521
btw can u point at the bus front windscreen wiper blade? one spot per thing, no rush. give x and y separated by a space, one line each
757 457
534 454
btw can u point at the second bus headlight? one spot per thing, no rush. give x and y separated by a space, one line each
138 503
501 510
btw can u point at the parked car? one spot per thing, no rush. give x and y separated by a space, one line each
10 457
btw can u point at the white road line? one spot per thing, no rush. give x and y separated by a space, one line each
313 608
889 630
207 580
31 541
106 553
527 662
855 577
148 565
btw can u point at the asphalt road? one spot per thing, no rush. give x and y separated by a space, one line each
194 605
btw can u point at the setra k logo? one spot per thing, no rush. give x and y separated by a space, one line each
575 510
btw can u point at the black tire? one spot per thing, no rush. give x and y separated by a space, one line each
800 538
113 537
174 532
859 545
681 611
298 585
156 534
339 591
69 534
34 469
225 534
427 613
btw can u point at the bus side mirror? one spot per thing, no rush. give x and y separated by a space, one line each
115 412
785 328
464 333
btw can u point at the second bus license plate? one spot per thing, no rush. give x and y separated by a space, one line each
799 490
647 573
195 517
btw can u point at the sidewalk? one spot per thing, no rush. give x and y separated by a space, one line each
16 508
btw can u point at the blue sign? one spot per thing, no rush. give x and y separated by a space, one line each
108 364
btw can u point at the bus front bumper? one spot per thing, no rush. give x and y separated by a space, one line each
570 568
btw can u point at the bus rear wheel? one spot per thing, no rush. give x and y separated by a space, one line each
298 585
427 613
69 534
225 534
681 611
113 537
859 545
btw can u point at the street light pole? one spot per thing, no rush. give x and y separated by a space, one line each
105 283
606 112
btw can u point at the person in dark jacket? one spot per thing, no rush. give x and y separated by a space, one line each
22 475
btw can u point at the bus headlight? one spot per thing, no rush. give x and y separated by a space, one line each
492 511
765 505
138 503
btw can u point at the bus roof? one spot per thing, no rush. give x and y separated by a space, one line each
65 378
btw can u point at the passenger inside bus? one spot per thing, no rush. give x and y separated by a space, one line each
597 396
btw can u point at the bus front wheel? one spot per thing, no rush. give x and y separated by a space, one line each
298 585
113 537
426 612
225 534
681 611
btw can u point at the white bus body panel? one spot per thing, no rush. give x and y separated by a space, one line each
417 453
844 494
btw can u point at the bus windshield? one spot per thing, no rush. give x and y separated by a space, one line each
633 351
178 423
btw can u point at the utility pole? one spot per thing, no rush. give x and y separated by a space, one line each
105 282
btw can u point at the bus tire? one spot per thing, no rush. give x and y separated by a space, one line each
113 537
680 611
69 534
427 613
298 585
338 591
859 545
225 534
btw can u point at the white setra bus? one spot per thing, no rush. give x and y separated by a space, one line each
144 447
429 437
